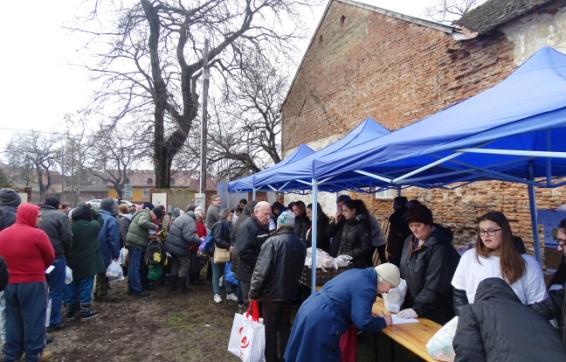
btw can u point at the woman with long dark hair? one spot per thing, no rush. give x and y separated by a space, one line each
322 239
354 239
496 255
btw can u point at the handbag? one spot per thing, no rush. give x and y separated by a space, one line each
247 338
221 255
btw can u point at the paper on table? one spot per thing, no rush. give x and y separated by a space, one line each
399 320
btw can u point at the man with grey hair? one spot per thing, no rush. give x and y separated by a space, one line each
275 282
250 236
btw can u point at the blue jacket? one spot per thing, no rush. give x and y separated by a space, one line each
109 237
325 315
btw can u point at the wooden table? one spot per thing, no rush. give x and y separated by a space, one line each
413 336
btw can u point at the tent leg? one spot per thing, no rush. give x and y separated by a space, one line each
314 228
253 194
534 222
398 191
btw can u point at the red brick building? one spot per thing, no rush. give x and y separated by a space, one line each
364 61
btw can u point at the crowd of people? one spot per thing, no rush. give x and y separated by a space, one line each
257 251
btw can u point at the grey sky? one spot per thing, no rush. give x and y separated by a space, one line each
40 85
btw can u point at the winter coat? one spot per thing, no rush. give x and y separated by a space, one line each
398 232
58 228
138 231
3 274
428 272
322 239
182 234
124 221
25 248
354 241
334 232
212 216
279 267
554 307
249 239
221 232
248 210
497 327
345 300
302 224
85 258
109 237
7 216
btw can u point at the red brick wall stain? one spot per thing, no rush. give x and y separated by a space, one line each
397 72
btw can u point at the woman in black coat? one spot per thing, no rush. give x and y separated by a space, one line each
354 238
498 327
428 263
322 239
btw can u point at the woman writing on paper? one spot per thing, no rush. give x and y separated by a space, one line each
345 300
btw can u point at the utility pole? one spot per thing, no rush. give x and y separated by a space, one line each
200 199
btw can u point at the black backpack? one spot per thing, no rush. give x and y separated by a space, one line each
155 253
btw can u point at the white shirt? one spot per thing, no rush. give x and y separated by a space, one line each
529 288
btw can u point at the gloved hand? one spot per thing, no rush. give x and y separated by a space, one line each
407 313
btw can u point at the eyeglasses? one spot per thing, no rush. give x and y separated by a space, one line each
490 232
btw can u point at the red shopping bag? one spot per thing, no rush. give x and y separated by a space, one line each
349 345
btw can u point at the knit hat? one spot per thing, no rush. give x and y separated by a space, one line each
287 218
9 197
224 213
389 273
107 205
53 202
148 205
158 212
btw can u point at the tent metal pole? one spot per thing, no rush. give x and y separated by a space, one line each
253 194
430 165
314 228
492 151
377 177
534 218
548 160
398 191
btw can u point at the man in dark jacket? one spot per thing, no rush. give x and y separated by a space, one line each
182 235
302 223
58 228
250 236
428 264
497 327
554 307
109 242
275 281
335 228
398 230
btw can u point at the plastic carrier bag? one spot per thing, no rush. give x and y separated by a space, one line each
394 299
247 338
68 275
440 346
114 271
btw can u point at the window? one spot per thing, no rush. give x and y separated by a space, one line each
150 181
388 194
146 194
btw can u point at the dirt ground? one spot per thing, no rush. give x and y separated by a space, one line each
163 327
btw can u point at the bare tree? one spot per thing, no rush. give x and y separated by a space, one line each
114 155
156 60
39 150
446 11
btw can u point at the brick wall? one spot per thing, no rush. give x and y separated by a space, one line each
366 64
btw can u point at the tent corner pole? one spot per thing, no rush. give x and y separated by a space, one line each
534 217
314 228
253 194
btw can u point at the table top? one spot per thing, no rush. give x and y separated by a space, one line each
412 336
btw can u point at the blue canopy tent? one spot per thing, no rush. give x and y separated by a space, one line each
514 131
248 183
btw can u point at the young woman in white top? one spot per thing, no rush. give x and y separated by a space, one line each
496 255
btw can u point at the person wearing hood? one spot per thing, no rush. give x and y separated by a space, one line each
344 300
275 282
302 223
498 327
428 263
354 240
28 252
496 255
57 226
9 202
109 241
398 230
85 261
221 231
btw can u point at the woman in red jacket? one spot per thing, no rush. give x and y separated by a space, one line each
28 253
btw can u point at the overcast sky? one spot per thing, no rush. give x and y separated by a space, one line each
40 84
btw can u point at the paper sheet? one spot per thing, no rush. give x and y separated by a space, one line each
399 320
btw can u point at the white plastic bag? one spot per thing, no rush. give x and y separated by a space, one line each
68 275
394 299
247 338
439 346
114 271
123 256
48 313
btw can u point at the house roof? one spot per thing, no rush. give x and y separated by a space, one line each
455 30
494 13
146 178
